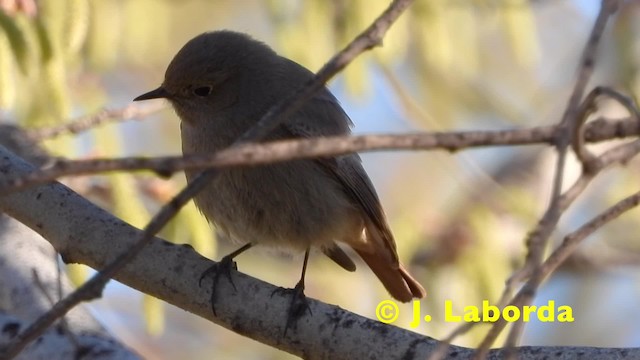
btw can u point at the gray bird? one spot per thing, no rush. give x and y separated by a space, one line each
219 84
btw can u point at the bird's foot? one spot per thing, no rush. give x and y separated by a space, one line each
298 305
217 270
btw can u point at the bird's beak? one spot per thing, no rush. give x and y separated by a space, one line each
153 94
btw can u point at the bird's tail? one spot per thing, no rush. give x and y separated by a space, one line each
383 262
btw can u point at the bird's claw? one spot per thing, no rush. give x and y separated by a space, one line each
215 271
298 305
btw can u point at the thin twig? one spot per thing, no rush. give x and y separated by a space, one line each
568 246
371 37
571 241
265 153
132 111
588 106
368 39
463 328
620 154
64 326
538 239
444 344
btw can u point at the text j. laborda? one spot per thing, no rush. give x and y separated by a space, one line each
388 312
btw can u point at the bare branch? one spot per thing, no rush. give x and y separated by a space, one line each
538 238
87 234
132 111
571 130
589 105
572 240
370 37
570 243
265 153
23 254
367 40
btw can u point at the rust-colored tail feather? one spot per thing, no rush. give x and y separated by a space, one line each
398 282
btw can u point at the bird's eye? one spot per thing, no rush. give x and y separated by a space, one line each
202 91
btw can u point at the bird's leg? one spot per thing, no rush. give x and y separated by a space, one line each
299 304
224 266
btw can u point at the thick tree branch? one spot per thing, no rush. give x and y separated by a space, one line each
57 345
367 39
33 282
329 332
30 286
87 234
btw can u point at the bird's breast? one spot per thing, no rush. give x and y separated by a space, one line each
292 205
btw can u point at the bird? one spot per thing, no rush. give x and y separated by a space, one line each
220 83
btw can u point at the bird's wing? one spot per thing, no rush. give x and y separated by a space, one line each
322 115
329 119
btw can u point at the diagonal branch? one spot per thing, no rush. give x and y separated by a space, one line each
87 234
538 239
84 123
371 37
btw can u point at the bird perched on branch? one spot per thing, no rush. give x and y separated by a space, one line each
220 84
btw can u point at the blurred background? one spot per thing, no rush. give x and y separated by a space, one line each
460 219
